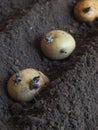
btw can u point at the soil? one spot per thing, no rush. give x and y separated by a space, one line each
71 101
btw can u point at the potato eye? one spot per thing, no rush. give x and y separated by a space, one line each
49 38
18 78
36 79
86 10
62 51
34 84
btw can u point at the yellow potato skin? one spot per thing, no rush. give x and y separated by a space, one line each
89 16
61 40
21 91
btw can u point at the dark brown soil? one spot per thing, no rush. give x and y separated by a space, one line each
71 101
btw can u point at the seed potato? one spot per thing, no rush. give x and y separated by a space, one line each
24 85
57 44
86 10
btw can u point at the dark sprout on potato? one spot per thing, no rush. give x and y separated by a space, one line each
34 84
49 38
86 10
18 78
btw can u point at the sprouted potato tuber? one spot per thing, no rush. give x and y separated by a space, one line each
24 85
86 10
57 44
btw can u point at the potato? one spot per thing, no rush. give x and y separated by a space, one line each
24 85
57 44
86 10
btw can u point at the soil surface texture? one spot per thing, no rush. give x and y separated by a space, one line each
71 100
